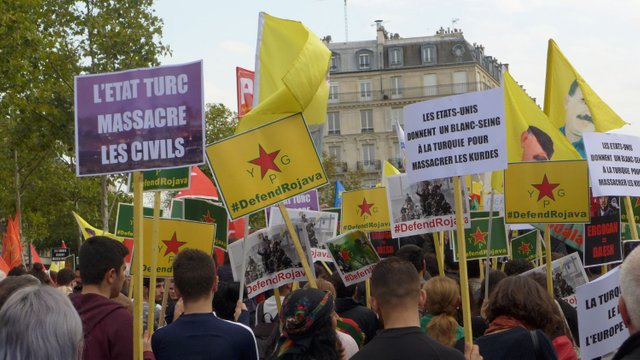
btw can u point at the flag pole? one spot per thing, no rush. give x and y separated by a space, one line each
547 245
296 243
245 248
486 265
438 239
165 298
138 246
276 294
155 234
462 257
631 218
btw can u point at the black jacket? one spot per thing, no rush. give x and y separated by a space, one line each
364 317
630 349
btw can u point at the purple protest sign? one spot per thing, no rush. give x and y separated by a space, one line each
304 201
140 119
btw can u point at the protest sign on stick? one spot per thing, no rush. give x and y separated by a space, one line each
614 165
477 239
353 255
546 192
265 165
455 135
422 207
270 260
602 240
155 235
140 119
568 273
138 245
525 246
365 210
462 256
601 327
317 227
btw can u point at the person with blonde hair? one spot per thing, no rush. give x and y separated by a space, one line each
443 299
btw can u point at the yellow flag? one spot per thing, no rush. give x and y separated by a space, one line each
387 170
291 74
88 231
497 181
530 135
266 165
175 236
365 210
547 192
571 104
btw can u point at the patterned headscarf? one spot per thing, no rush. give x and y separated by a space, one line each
303 312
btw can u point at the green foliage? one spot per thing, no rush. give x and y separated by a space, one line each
44 45
352 180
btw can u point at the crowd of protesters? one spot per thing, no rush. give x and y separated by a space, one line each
413 313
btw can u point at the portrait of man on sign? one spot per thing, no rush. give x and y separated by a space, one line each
536 145
578 117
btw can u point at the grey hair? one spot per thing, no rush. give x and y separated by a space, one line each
39 322
630 285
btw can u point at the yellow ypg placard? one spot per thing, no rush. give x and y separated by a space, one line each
175 236
547 192
365 210
266 165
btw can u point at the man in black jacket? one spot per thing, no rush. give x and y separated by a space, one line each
348 308
630 306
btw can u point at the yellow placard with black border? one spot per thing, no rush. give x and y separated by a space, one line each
265 165
547 192
365 210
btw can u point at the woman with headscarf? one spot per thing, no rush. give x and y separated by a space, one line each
308 327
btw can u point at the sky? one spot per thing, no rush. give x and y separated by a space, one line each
596 36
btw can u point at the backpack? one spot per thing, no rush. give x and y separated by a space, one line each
263 332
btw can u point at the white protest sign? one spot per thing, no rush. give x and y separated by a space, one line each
601 328
614 163
456 135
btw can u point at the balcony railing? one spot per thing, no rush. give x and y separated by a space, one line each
408 93
369 165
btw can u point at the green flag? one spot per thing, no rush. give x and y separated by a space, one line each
124 219
477 235
525 246
206 211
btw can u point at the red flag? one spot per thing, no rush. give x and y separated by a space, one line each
201 186
11 246
35 258
244 79
64 246
236 229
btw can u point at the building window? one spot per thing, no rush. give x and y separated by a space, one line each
333 92
335 151
335 62
430 84
396 117
458 52
428 54
396 87
459 82
364 61
366 121
333 122
395 56
368 155
365 90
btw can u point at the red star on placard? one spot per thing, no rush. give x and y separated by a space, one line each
207 217
524 248
266 161
637 201
173 245
478 237
365 208
545 188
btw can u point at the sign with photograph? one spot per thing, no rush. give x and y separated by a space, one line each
271 261
422 207
315 226
354 256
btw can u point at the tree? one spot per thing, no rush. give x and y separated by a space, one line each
352 180
116 35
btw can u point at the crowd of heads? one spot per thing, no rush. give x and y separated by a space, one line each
313 321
